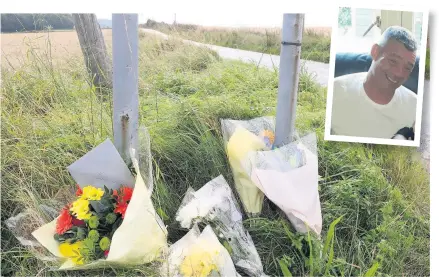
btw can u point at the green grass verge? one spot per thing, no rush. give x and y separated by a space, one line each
315 46
51 117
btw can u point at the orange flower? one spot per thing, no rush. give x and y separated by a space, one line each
121 208
123 197
64 222
126 194
78 190
268 137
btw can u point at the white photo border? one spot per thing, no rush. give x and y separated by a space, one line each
421 79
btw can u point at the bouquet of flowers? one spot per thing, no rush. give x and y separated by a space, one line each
240 137
110 220
215 205
198 255
85 227
288 176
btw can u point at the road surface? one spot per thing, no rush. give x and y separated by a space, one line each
321 73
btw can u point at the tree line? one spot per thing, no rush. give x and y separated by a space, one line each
35 22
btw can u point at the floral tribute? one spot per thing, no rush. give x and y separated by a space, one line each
85 227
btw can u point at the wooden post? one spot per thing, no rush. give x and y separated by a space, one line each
93 48
125 83
289 69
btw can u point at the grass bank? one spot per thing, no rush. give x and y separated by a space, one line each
315 44
51 117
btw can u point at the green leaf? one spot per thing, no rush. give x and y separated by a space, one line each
288 232
284 267
330 234
162 214
106 190
311 265
228 247
371 272
297 243
331 257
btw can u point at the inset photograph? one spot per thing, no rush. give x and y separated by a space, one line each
377 74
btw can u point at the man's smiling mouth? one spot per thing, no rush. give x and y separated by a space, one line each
391 80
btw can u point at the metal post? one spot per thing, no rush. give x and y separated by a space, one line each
289 69
125 83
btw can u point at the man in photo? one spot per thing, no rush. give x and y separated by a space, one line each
375 104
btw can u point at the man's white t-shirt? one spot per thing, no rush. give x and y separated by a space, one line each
355 114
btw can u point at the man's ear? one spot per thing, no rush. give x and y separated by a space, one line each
375 52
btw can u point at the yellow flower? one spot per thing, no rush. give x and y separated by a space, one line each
199 262
92 193
80 209
71 251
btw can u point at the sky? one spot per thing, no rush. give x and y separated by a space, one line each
227 13
239 13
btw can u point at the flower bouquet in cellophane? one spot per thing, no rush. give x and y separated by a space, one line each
240 137
85 227
110 221
198 255
287 175
215 205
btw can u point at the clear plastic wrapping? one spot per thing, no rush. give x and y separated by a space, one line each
214 204
198 254
288 176
240 137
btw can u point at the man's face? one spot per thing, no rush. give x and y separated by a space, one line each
393 64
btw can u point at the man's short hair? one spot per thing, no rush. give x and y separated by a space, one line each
401 35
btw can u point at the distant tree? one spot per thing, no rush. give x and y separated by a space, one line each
344 18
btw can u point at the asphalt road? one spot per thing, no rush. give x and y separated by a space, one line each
321 73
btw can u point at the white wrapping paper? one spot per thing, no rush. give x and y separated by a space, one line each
288 176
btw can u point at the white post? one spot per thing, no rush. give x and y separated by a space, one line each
289 69
125 83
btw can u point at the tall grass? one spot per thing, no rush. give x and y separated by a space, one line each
51 117
315 45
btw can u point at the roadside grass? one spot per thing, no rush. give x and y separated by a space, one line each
315 45
51 117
